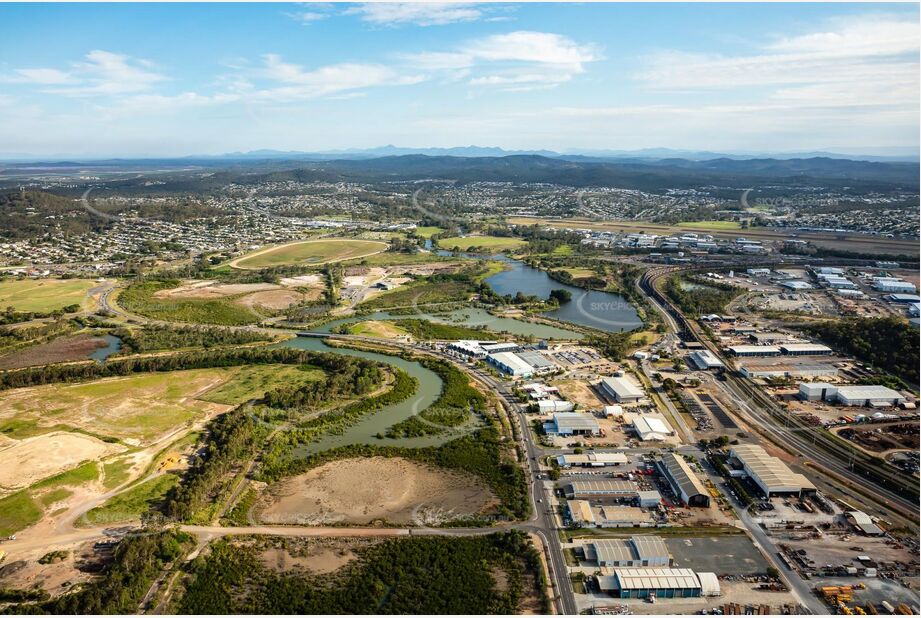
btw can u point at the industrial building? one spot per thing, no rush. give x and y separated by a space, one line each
659 583
592 460
584 515
705 359
810 370
480 349
852 395
520 364
649 426
582 490
805 349
895 287
573 424
796 285
769 337
683 481
547 406
622 389
753 350
863 523
637 551
769 473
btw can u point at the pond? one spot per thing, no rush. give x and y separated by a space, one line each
113 345
365 430
472 317
601 310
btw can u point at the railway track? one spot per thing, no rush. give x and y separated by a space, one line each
891 489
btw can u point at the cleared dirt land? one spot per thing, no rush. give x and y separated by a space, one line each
210 289
364 490
31 460
310 252
136 408
43 295
274 300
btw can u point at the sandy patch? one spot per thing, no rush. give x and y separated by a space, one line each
321 560
36 458
28 573
302 281
271 299
363 490
212 289
579 392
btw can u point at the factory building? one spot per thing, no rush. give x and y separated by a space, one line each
753 350
520 364
854 395
592 460
649 426
480 349
683 481
547 406
659 583
637 551
584 515
582 490
622 389
573 424
769 473
796 285
705 359
768 337
788 371
805 349
895 287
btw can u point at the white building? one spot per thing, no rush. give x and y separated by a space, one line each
650 427
548 406
573 424
770 473
637 551
592 460
852 395
622 389
705 359
893 287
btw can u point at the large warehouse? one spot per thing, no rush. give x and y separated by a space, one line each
856 395
769 473
649 427
592 460
601 489
573 424
785 370
805 349
705 359
683 481
622 389
637 551
661 583
753 350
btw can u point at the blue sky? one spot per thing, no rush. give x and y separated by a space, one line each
178 79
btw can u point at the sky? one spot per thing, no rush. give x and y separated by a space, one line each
184 79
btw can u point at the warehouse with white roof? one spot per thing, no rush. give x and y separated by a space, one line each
637 551
769 473
649 426
683 481
661 583
851 395
622 389
592 460
573 424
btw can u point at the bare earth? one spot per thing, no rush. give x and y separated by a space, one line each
60 350
271 299
208 289
321 560
36 458
364 490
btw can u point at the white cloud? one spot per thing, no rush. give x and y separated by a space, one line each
520 60
293 81
867 60
307 17
100 73
417 13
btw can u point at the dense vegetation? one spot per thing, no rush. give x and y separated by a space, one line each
137 562
414 576
163 337
139 298
700 299
452 408
424 329
29 214
888 343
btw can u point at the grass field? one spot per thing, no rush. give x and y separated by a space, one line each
488 243
376 328
427 231
253 382
134 502
139 407
43 295
711 225
139 298
310 252
18 511
116 472
421 294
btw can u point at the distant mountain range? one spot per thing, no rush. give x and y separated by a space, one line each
642 155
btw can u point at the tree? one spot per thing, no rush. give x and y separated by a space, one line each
560 295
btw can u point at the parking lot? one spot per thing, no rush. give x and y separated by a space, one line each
723 555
